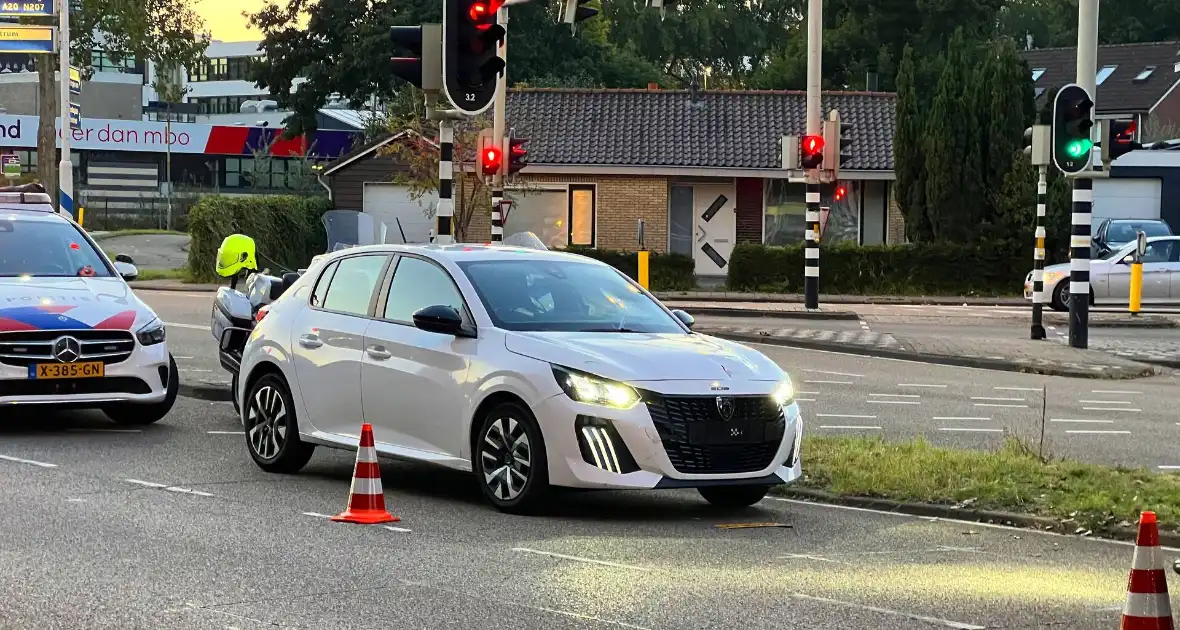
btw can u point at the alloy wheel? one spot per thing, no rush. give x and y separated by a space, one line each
267 416
506 458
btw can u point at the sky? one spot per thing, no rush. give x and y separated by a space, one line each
224 18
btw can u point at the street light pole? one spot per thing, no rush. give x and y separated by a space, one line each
65 171
814 59
498 123
1083 186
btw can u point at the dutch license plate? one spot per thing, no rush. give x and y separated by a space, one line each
723 433
86 369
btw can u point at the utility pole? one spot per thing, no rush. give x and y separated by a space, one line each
1038 151
498 124
1083 187
65 171
814 47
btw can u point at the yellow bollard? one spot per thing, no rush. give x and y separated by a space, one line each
1136 286
643 260
81 214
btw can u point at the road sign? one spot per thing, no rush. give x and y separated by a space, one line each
75 116
27 7
18 38
11 162
75 80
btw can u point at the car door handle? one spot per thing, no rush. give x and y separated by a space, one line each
310 342
378 352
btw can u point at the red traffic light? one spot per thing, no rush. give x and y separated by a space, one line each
812 144
841 191
490 160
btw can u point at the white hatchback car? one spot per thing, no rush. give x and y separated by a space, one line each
72 333
530 368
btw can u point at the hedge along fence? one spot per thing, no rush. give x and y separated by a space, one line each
286 229
987 268
666 272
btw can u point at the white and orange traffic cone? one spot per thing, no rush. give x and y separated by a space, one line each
1148 607
366 499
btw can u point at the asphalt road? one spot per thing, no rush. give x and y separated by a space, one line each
150 251
174 526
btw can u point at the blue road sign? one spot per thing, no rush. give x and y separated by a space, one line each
19 38
75 116
27 7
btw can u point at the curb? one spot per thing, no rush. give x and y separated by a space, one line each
930 510
673 296
721 311
206 391
940 359
1155 322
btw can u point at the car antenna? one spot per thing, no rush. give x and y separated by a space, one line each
399 229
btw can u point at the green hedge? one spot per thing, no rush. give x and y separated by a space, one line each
286 229
988 268
666 272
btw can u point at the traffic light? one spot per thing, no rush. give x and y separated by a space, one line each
1119 140
840 193
471 68
837 143
811 150
574 11
407 68
518 155
844 150
1072 125
490 160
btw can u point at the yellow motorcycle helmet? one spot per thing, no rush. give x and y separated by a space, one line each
235 254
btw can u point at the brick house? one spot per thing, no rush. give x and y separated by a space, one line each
703 169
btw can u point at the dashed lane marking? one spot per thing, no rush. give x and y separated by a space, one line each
894 402
1111 409
970 430
1081 421
803 556
1113 391
807 393
95 430
849 427
834 373
945 623
829 382
164 486
1105 402
920 385
896 395
396 529
224 432
804 400
189 326
1018 389
148 484
995 398
944 418
843 415
31 462
562 556
1168 467
317 515
1081 432
1001 405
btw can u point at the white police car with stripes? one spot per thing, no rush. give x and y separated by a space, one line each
532 369
72 333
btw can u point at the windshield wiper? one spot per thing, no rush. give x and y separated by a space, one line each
614 330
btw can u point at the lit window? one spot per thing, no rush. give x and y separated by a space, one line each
581 219
1037 72
1104 74
1142 76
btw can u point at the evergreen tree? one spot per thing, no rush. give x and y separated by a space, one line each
949 144
908 161
1006 127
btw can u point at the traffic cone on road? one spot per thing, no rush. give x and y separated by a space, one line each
1148 607
366 499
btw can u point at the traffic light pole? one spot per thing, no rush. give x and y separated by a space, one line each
1083 188
1038 326
498 133
814 47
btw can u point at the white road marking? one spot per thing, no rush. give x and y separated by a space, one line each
807 393
835 373
946 623
1018 389
1080 432
803 556
958 418
1081 421
192 370
187 491
849 427
317 515
1111 409
1168 467
149 484
85 430
804 400
604 563
970 430
189 326
396 529
894 402
829 382
841 415
896 395
1112 391
31 462
1001 405
920 385
1105 402
995 398
224 432
177 356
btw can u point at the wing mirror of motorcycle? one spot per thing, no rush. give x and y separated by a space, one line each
126 270
124 258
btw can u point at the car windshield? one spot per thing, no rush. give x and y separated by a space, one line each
567 296
1125 232
40 247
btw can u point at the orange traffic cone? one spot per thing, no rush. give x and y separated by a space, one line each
366 499
1148 607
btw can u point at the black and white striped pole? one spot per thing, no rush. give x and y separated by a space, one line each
814 130
444 215
498 123
1079 263
1038 326
811 253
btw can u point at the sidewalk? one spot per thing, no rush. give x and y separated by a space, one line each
1013 355
825 299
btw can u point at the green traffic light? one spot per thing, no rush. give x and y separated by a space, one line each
1078 148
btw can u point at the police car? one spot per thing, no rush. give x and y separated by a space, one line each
72 333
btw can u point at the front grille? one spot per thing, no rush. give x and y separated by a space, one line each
23 347
66 387
675 415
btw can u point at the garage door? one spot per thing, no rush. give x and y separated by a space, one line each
1126 198
391 204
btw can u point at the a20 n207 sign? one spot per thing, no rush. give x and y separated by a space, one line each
27 7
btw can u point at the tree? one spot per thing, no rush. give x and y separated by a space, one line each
160 31
951 151
1010 92
909 163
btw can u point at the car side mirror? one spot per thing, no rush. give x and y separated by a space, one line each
440 318
685 318
126 270
1128 259
124 258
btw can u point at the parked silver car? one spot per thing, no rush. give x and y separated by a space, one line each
1110 276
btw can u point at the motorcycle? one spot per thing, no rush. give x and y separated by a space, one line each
236 312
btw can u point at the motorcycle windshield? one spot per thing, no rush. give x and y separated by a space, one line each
350 228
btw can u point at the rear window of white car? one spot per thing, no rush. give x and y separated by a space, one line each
44 247
548 295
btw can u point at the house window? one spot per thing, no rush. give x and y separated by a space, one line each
1146 74
1104 74
102 61
1036 73
786 213
581 215
223 104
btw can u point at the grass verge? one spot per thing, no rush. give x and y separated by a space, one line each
118 233
165 274
1011 479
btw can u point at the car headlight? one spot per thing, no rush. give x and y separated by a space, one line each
152 333
586 388
784 393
